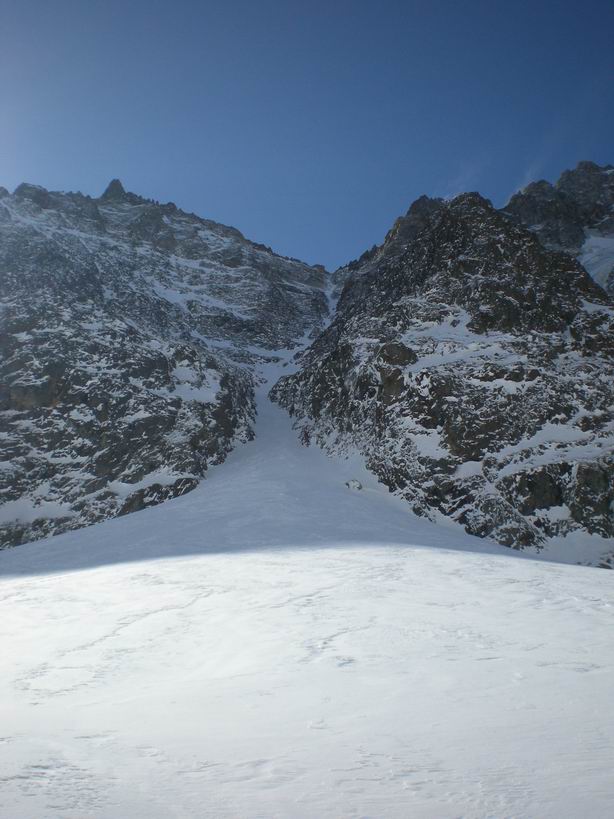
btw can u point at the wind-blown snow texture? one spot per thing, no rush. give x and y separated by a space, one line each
274 645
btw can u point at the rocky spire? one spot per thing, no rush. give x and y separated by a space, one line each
115 190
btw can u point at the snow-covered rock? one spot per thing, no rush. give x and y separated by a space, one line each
129 334
474 369
274 645
576 215
470 357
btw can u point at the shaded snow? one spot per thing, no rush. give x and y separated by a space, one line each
27 510
597 257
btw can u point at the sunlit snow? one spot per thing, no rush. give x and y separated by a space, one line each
275 645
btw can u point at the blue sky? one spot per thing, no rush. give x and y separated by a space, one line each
308 125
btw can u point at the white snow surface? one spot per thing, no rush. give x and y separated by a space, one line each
597 257
273 645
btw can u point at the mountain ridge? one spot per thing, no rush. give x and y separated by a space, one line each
130 335
134 333
471 364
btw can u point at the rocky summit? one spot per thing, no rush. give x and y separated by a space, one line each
469 358
575 215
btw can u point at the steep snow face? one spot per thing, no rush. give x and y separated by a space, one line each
130 331
273 644
474 369
575 215
597 257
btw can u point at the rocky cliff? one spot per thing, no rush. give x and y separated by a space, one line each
474 368
575 215
129 333
470 357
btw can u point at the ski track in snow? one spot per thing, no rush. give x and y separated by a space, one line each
274 645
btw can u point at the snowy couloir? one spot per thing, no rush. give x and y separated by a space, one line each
469 359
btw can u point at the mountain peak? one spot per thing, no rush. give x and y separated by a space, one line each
114 190
588 166
470 199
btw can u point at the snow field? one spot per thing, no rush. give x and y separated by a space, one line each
275 646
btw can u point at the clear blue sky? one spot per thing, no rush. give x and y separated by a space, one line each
308 125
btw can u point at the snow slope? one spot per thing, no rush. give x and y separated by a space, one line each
597 257
274 644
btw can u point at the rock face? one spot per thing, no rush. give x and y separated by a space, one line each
129 332
470 357
474 368
576 215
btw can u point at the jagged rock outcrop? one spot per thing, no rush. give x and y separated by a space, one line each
129 332
470 357
575 215
474 368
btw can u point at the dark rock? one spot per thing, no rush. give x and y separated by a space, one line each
394 352
567 216
157 493
114 191
125 369
467 362
34 193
